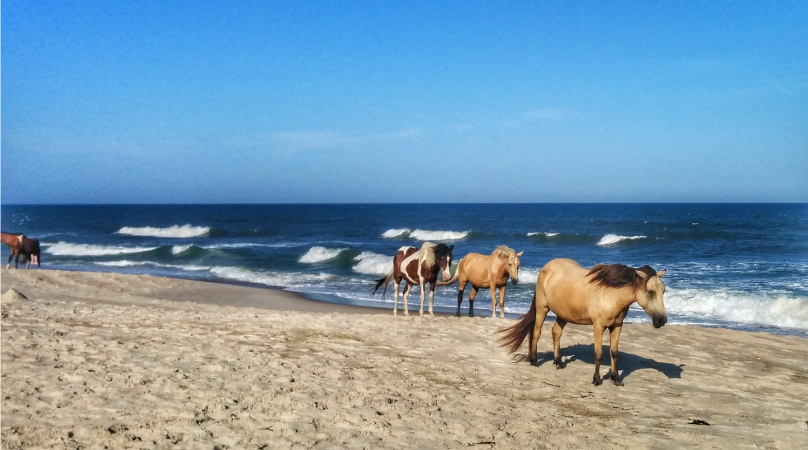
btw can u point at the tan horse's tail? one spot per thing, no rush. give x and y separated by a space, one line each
384 281
453 280
514 335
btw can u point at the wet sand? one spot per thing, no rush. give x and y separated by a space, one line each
93 360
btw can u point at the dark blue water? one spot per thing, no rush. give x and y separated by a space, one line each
730 265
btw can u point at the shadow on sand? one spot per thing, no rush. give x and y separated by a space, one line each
627 362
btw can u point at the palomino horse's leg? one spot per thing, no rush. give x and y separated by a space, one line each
598 329
493 301
541 313
614 337
407 288
472 295
461 287
501 304
558 328
395 305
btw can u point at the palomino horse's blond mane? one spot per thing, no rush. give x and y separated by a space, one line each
503 250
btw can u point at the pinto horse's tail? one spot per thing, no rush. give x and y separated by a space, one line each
384 281
514 335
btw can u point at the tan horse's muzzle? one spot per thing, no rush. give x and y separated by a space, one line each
658 321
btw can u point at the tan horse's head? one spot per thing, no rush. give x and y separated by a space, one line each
649 294
513 266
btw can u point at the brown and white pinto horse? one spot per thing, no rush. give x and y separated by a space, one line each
21 245
418 267
599 296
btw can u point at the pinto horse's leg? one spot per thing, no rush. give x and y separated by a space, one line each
422 285
558 328
614 337
8 265
461 287
407 288
472 295
395 304
431 297
598 330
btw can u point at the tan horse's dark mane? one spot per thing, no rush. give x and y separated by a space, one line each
619 275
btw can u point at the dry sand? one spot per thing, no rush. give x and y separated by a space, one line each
120 361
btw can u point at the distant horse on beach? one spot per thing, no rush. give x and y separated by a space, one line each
419 267
19 244
599 297
486 271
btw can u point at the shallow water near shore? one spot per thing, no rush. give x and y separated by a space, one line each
728 265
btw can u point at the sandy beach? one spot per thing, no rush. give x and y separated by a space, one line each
92 360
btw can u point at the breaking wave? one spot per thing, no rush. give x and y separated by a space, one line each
614 239
66 249
176 231
739 307
369 263
425 235
319 254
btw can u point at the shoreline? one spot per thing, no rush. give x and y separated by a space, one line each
98 359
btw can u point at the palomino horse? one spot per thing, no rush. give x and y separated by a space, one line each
599 297
418 267
21 245
486 271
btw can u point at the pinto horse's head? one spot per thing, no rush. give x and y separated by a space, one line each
649 295
445 261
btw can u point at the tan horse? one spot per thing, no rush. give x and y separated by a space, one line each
599 297
486 271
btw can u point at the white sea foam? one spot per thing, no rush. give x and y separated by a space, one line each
740 307
280 279
66 249
612 239
528 275
548 234
179 249
319 254
429 235
128 263
176 231
395 232
370 263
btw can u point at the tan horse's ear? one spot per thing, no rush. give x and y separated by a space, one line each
520 253
642 274
660 273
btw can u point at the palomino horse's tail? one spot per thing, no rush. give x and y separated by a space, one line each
384 281
514 335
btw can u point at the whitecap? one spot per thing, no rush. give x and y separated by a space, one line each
548 234
429 235
66 249
176 231
725 305
612 239
395 232
280 279
370 263
179 249
319 254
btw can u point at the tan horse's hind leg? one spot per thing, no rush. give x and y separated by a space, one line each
461 287
541 313
558 329
472 296
598 330
614 338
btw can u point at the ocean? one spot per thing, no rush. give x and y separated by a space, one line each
740 266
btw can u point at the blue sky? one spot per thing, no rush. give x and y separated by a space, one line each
434 101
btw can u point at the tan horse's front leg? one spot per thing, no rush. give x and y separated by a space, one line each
472 296
598 330
558 329
493 301
502 302
614 337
